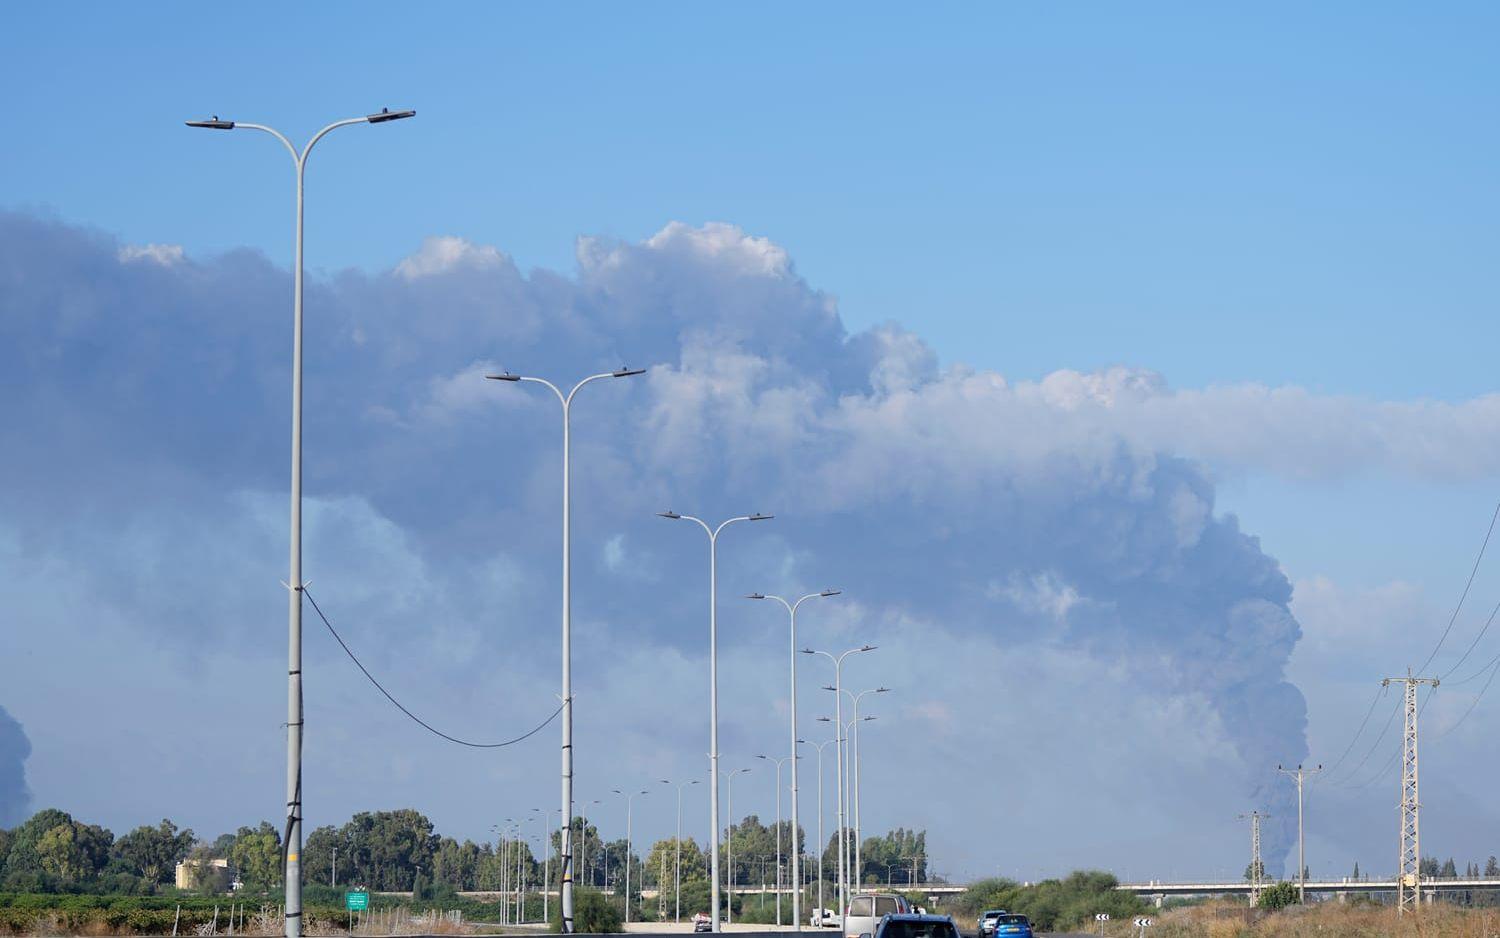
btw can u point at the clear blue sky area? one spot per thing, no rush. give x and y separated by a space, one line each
1277 192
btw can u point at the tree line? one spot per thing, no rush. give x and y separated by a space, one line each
400 851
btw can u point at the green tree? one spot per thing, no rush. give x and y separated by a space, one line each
256 856
153 853
1255 872
1492 867
318 855
1356 870
1449 870
73 851
1277 897
22 856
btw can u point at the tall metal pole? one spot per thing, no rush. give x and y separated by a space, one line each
1409 873
855 751
677 874
821 845
713 688
629 803
729 785
565 853
1254 817
1299 774
791 609
292 839
838 690
779 763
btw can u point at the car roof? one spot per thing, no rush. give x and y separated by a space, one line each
917 917
993 912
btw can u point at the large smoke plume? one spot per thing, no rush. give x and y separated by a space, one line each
934 494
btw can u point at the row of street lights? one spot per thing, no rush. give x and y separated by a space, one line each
295 711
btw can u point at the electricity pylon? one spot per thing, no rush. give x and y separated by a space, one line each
1298 773
1256 868
1409 872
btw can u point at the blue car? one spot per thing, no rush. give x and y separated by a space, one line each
1012 925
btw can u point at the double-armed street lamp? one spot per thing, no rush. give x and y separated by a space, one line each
820 747
791 609
855 757
629 805
565 858
838 684
729 860
713 689
677 874
779 763
292 840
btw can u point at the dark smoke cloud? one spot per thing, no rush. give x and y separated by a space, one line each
141 387
15 797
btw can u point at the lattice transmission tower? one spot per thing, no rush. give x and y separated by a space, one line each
1257 869
1409 872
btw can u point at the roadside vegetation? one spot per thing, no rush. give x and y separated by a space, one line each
1052 904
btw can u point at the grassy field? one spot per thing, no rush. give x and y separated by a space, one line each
1321 920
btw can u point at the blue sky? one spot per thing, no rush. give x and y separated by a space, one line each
1279 196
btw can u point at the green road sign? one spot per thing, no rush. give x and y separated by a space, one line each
356 901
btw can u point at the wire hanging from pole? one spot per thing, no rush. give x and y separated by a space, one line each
399 706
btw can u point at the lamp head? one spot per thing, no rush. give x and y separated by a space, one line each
825 720
386 114
808 651
760 517
755 595
826 593
830 687
672 515
504 376
623 372
212 124
869 648
882 690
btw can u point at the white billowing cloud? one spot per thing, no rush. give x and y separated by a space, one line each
166 255
444 253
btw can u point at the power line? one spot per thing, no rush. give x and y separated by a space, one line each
1475 643
1380 692
416 719
1475 702
1479 673
1386 729
1453 618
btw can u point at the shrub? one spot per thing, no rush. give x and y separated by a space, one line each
593 914
1277 897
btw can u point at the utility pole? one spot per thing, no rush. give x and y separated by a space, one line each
1409 873
1298 774
1255 865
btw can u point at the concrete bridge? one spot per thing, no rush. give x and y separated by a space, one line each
1338 887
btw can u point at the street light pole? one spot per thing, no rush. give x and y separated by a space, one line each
856 758
779 763
729 784
791 609
629 804
565 858
838 688
677 874
292 840
821 845
713 688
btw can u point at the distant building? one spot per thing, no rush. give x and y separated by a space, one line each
208 875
